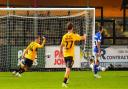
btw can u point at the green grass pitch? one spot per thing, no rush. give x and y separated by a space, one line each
53 80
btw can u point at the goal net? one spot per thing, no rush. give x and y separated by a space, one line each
19 26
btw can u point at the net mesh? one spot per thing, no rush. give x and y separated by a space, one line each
19 28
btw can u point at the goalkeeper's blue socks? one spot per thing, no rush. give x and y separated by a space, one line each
96 69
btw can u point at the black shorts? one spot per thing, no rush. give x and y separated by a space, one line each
69 61
28 62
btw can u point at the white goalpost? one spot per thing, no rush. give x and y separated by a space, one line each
19 26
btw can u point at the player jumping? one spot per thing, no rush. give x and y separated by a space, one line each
29 55
94 64
67 50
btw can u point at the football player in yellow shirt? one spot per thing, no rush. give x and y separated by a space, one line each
67 49
29 55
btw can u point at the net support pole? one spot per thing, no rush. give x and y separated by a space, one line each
87 33
35 25
8 38
7 3
35 20
35 3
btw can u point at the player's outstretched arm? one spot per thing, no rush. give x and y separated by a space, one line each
43 43
83 37
78 37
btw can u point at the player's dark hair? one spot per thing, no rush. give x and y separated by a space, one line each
91 60
38 36
100 28
69 26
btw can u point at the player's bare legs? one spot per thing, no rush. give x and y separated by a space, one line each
66 77
21 70
67 73
69 63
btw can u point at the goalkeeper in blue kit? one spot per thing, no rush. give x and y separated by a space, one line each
95 63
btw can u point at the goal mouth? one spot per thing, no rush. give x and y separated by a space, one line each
19 26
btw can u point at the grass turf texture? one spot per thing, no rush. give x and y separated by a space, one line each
53 80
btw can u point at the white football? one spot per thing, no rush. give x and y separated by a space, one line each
103 68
